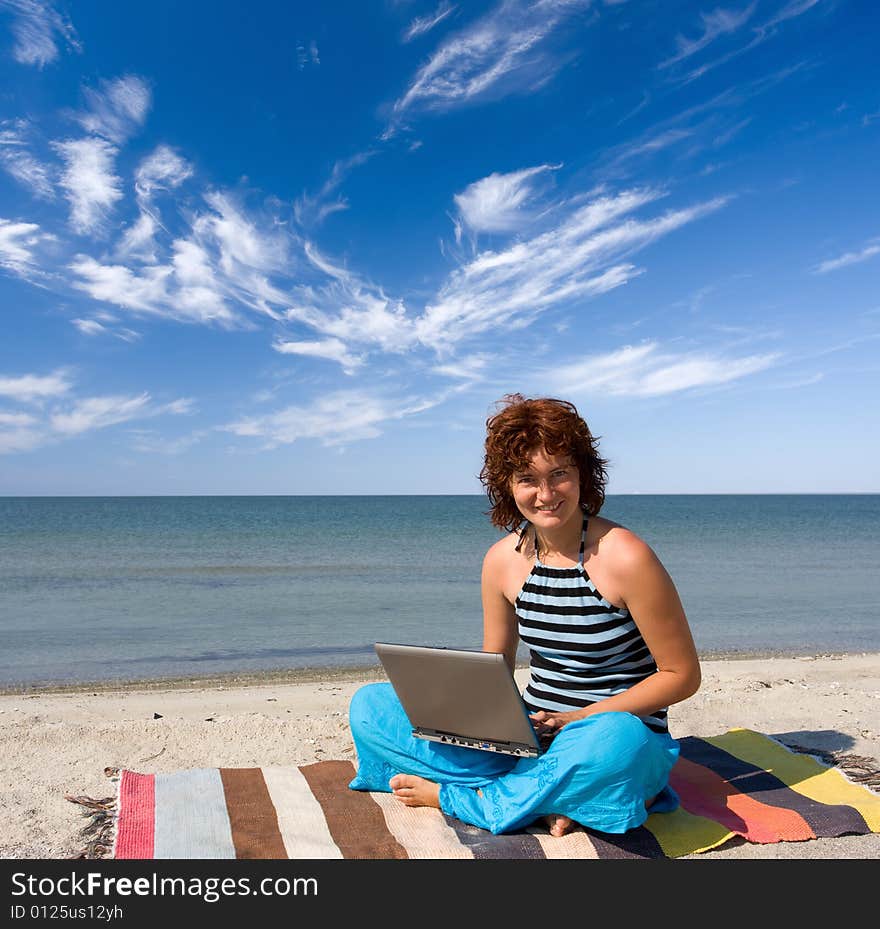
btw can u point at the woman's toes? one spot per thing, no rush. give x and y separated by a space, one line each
415 791
559 825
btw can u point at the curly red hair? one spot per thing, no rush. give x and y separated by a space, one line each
514 433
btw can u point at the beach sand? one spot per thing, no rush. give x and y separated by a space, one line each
58 743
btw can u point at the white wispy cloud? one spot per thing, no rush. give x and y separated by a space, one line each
90 413
649 143
312 209
582 256
730 132
118 109
228 261
790 10
21 432
331 349
16 419
98 412
234 259
17 244
139 239
467 368
90 184
496 203
89 326
871 249
796 383
499 53
760 33
34 388
37 27
705 126
646 99
155 290
145 291
105 326
20 163
250 252
242 244
422 24
717 23
648 371
14 438
337 418
163 169
182 406
351 309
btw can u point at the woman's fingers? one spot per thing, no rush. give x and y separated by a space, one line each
547 720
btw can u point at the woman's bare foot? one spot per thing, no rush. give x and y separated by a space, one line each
561 825
558 825
413 790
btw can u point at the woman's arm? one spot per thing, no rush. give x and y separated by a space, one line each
499 618
654 604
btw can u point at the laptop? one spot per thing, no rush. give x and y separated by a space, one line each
460 697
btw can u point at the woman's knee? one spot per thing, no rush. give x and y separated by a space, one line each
621 725
372 702
609 735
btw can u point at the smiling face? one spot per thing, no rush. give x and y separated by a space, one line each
547 492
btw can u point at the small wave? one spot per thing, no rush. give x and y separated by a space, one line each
232 569
315 651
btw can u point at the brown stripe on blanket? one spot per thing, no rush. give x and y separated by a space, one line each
252 816
354 819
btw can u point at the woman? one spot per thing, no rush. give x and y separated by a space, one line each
610 650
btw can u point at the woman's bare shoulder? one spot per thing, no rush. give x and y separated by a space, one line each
502 558
502 551
505 568
618 544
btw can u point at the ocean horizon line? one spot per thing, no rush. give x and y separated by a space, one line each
631 493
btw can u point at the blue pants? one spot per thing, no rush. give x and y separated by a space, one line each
599 771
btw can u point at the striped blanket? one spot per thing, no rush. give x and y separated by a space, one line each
741 783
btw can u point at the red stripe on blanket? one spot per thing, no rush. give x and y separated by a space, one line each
704 793
137 828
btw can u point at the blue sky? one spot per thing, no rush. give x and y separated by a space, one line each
298 248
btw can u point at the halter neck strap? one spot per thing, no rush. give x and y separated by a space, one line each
583 544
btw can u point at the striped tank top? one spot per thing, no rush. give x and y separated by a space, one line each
581 647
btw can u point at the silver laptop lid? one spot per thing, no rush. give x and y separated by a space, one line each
458 691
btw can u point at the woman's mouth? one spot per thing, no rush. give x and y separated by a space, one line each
549 509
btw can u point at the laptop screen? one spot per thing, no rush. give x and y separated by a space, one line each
458 692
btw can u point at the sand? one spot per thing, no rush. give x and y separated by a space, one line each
58 743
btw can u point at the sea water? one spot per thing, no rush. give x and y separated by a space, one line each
140 588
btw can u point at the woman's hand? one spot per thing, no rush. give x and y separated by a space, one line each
553 721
